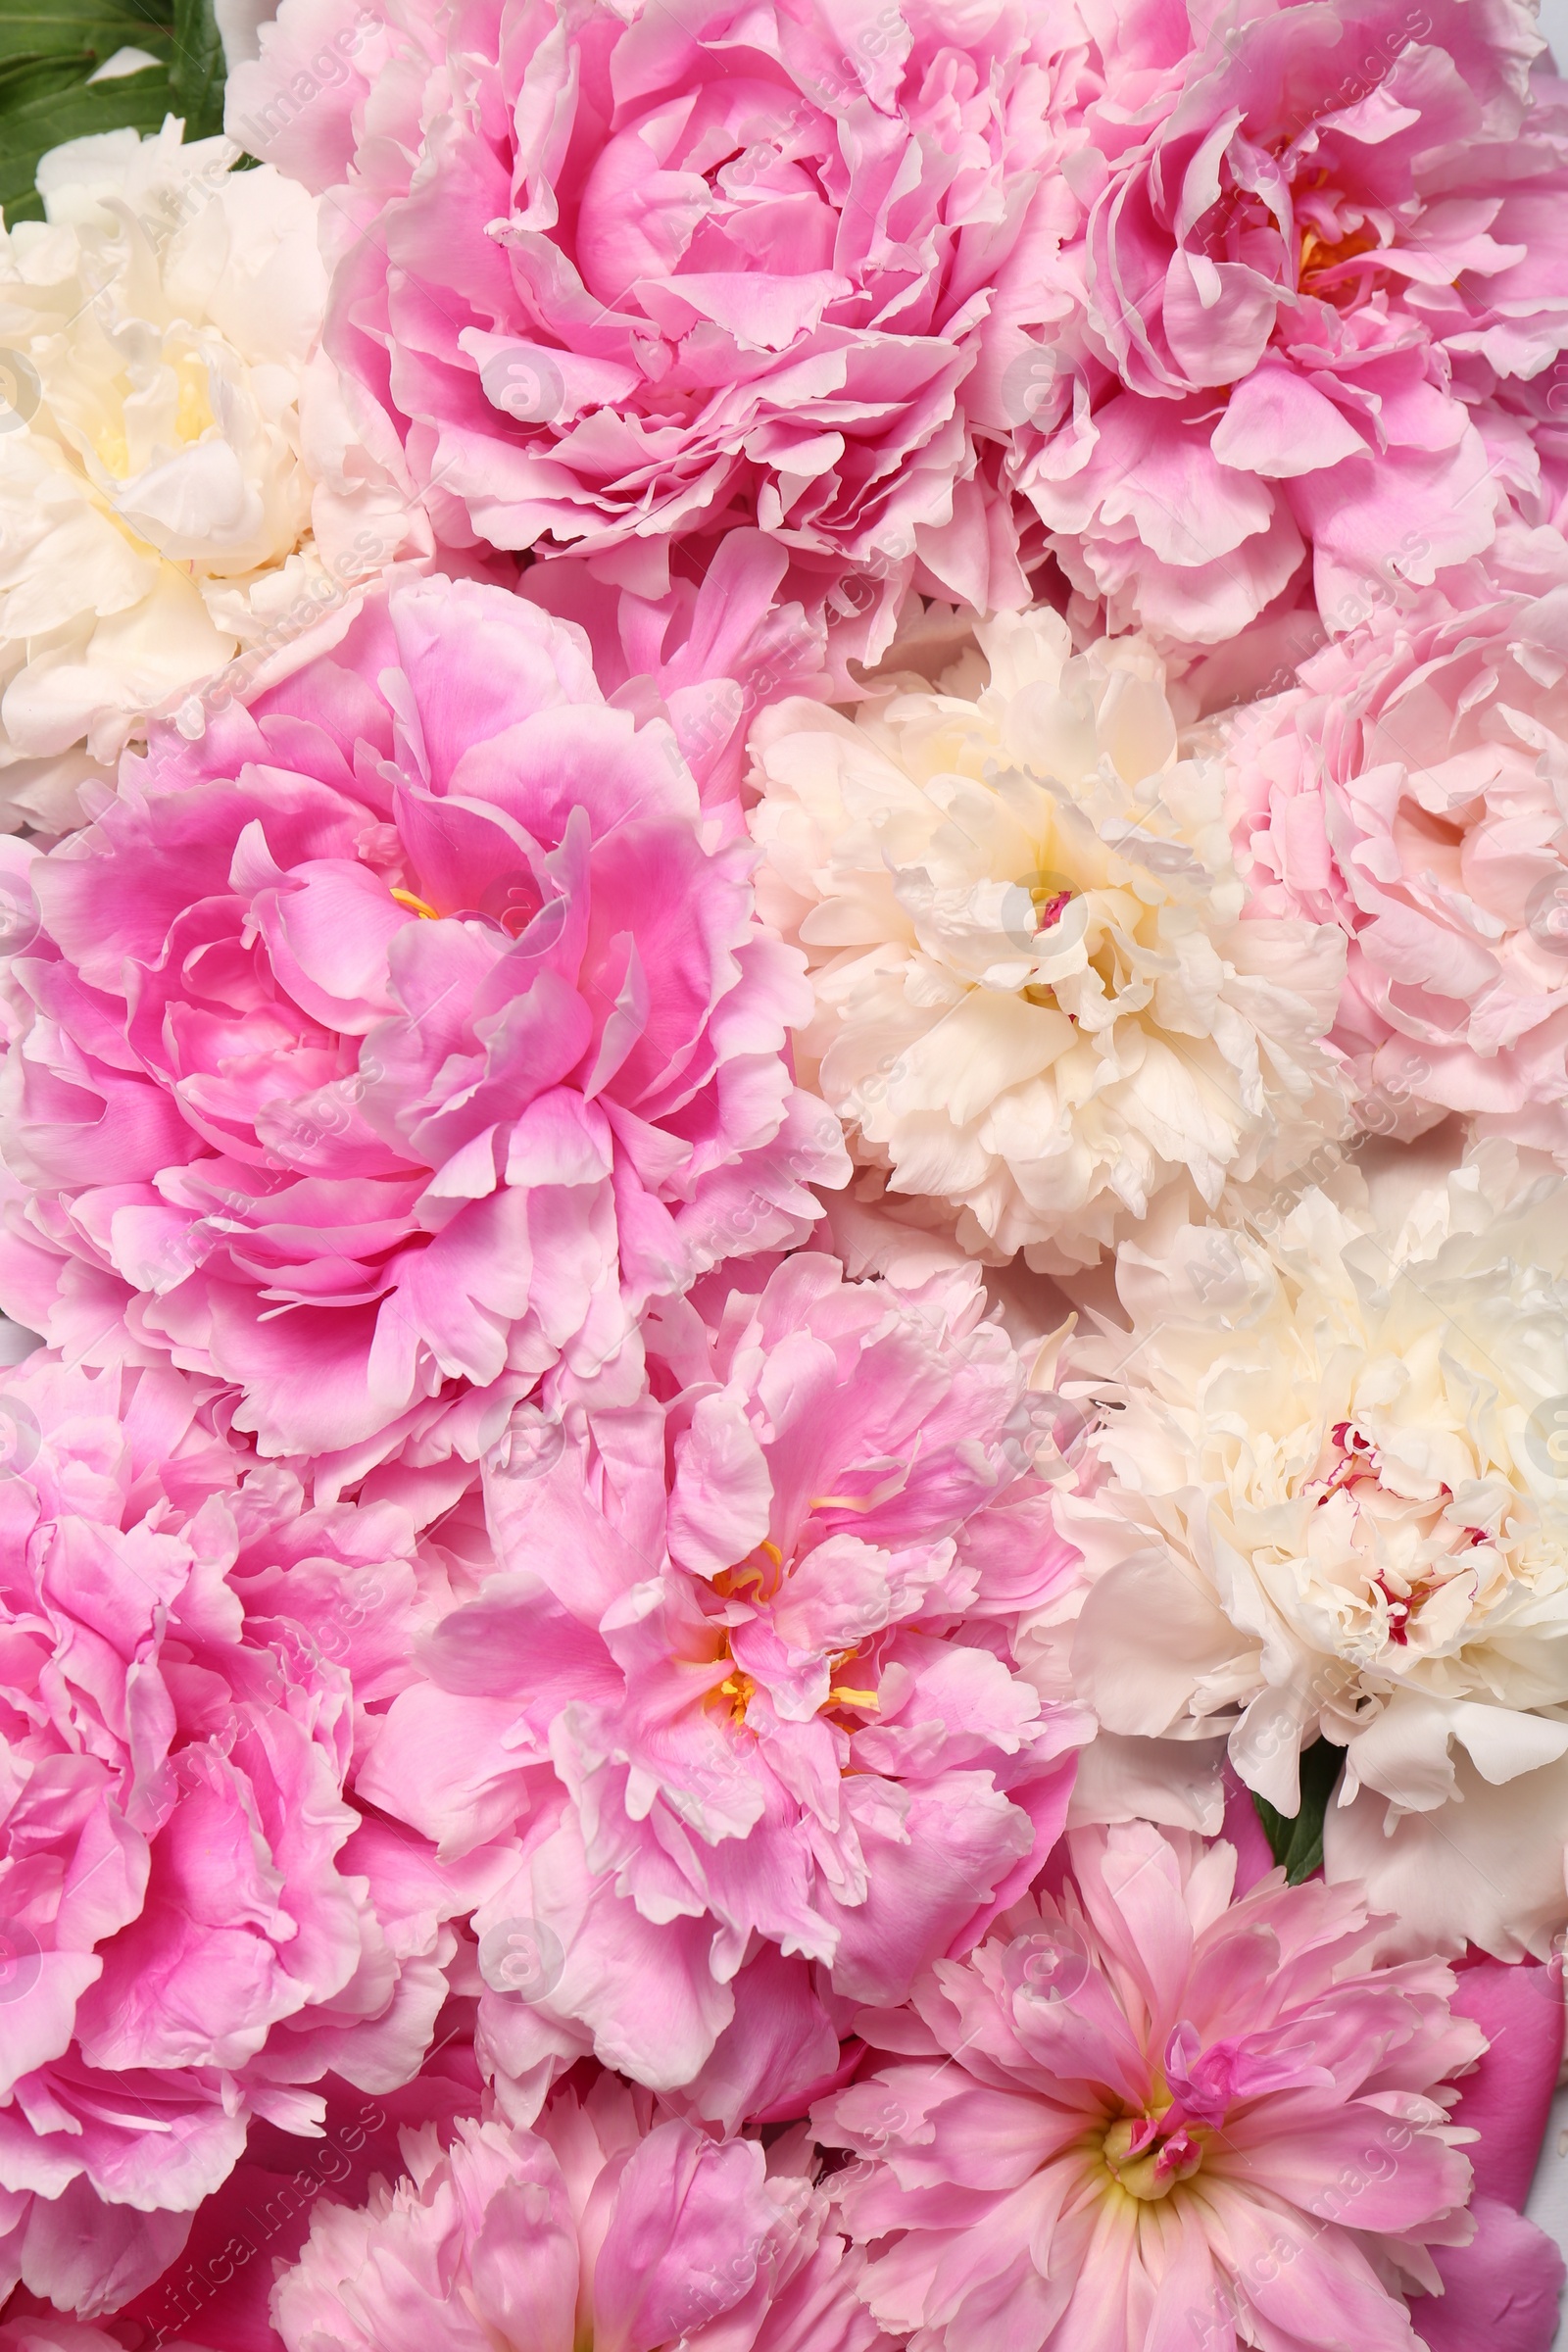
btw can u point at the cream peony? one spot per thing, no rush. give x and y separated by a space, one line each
164 432
1035 998
1328 1496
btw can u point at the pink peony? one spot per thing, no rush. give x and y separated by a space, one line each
391 1046
216 2294
1144 2118
760 1626
1319 245
195 1921
1410 790
617 277
604 2225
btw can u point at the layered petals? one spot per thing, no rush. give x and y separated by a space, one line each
761 1632
1036 1002
391 1046
1141 2112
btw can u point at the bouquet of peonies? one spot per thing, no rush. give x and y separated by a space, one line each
783 1177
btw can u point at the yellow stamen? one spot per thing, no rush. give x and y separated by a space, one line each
738 1690
420 906
853 1699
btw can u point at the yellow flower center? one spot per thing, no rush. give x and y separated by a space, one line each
758 1580
1146 2163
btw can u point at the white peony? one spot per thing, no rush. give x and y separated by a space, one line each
175 483
1328 1496
1037 999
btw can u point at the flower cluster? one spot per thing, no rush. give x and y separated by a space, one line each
784 1184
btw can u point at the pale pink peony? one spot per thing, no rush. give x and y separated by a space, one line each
1410 789
392 1046
618 278
195 1921
1322 254
762 1629
607 2225
1144 2118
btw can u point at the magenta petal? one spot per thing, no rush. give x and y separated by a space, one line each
1502 2291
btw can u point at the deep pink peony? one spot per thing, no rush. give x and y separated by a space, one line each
196 1922
1410 790
761 1631
617 277
606 2225
1318 243
392 1046
1144 2118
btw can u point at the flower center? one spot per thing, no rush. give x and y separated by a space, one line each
1146 2159
1048 904
738 1689
1320 260
1411 1547
758 1580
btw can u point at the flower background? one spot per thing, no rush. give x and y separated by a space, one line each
783 1323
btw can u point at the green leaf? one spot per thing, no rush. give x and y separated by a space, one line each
1297 1839
49 49
196 73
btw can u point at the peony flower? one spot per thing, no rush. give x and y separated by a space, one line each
760 1626
216 2294
1409 790
174 484
196 1922
617 279
395 1045
1329 1501
1143 2115
1320 260
1035 998
604 2225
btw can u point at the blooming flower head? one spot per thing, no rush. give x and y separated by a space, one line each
605 2225
403 1039
1035 998
196 1921
1317 245
762 1629
1408 789
1331 1499
620 279
1143 2115
156 484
